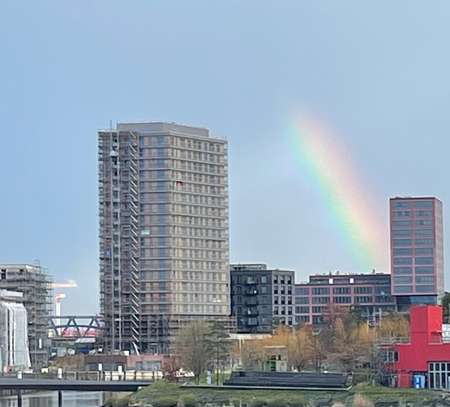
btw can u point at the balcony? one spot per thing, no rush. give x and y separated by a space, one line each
251 291
251 302
252 312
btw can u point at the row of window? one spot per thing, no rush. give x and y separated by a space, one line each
179 186
340 290
165 140
406 289
409 213
404 204
409 280
410 223
409 270
178 176
345 299
421 261
410 242
420 251
165 164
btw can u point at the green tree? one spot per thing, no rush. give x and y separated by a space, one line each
218 346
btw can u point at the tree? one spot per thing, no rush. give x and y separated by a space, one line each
393 326
300 348
218 346
191 348
170 368
445 302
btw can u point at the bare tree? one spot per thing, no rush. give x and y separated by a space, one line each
191 348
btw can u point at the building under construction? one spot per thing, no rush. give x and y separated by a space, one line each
34 283
163 201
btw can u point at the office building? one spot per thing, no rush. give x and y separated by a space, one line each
261 298
417 260
368 294
163 202
34 284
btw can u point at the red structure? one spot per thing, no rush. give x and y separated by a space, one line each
426 355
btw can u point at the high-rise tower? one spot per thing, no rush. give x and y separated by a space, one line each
163 192
417 254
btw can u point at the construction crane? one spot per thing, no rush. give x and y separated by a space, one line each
66 284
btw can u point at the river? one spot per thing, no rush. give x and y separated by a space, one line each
50 399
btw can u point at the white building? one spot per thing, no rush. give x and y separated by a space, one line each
14 351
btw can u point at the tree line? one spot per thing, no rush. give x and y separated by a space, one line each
344 342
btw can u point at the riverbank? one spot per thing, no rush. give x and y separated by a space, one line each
163 394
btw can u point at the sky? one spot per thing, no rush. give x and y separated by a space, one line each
374 75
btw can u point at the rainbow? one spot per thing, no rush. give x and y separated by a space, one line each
328 166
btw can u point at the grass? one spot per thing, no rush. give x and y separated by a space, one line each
163 394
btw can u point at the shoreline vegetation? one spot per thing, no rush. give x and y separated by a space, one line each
165 394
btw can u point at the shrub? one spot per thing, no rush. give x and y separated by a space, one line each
257 402
360 401
166 401
188 400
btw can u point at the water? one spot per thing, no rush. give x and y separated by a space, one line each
50 399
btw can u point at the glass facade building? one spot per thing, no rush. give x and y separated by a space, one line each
417 261
163 194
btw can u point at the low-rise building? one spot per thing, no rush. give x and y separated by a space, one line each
370 294
425 360
261 298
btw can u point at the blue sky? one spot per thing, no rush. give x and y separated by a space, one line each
375 72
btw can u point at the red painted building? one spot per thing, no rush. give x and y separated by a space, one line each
426 354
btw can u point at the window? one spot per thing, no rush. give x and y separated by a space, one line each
402 270
424 232
342 300
317 310
363 299
363 290
424 204
302 300
424 242
425 214
401 242
301 290
341 290
401 223
302 310
401 214
424 251
263 280
425 288
403 252
317 319
423 261
403 260
424 270
321 291
402 289
320 300
402 280
423 222
402 233
424 280
401 204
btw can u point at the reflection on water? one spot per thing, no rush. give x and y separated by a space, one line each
50 399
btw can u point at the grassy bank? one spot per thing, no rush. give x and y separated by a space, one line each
164 394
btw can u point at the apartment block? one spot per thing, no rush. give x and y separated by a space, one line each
35 285
261 298
163 202
417 259
370 294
